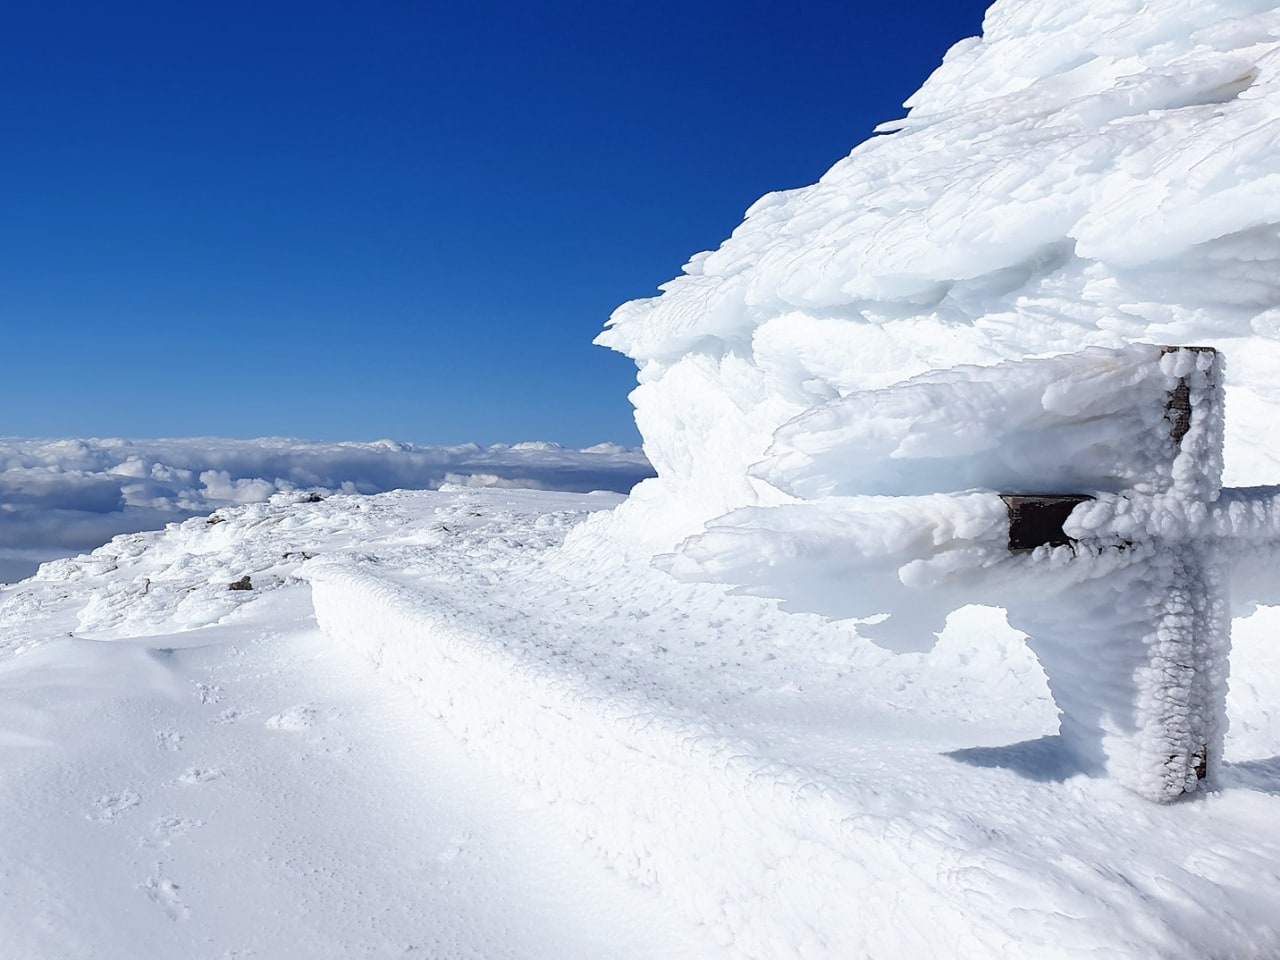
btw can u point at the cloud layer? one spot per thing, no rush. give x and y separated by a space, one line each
59 496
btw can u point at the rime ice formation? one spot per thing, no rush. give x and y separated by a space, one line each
1082 174
1129 622
824 398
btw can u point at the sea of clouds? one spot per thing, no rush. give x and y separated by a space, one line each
59 497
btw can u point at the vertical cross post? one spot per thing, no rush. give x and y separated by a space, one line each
1139 669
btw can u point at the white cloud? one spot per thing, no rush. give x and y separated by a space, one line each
59 496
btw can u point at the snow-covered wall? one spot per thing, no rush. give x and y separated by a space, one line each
1085 173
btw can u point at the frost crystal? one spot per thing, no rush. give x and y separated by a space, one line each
1126 607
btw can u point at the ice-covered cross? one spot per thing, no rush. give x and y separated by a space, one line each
1082 493
1146 651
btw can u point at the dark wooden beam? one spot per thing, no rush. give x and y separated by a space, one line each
1178 406
1036 520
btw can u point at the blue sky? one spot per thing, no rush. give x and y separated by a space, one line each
394 219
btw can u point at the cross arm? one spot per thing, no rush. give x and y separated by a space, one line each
1246 521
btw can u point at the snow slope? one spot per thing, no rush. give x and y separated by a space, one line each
190 771
806 794
795 791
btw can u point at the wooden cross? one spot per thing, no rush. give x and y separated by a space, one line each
1120 584
1153 627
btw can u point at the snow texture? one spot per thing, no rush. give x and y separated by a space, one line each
792 789
190 771
800 793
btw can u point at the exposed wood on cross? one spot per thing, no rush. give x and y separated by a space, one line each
1110 547
1170 633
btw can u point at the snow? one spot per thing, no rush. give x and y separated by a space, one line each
878 530
196 772
972 305
762 783
1063 423
797 691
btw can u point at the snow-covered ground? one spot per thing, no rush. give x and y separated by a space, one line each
215 776
191 771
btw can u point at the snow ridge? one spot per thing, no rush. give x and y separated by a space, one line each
667 800
841 839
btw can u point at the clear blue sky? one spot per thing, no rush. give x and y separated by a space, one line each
395 219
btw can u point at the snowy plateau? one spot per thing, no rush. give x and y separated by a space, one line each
750 709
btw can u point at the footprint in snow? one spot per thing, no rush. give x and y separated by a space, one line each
296 718
164 894
109 807
201 775
167 829
169 739
209 692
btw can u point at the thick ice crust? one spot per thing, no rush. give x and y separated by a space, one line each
1081 175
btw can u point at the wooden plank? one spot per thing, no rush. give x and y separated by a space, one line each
1178 405
1036 520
